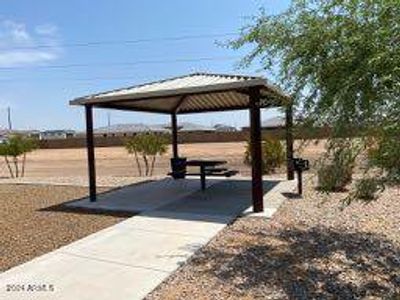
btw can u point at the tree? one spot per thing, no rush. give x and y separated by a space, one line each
15 147
134 147
340 62
148 146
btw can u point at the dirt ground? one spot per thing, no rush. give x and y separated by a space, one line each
32 221
115 161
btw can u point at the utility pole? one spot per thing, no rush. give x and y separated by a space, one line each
108 119
9 118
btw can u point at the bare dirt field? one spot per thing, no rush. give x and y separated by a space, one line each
115 161
29 227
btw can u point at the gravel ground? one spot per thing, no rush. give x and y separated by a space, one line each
310 249
26 231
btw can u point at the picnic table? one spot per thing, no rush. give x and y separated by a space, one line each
209 167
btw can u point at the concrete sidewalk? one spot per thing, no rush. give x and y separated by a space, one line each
129 259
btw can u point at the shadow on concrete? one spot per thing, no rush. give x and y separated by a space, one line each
89 211
223 200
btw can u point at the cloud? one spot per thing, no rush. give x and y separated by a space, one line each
16 32
46 29
20 46
15 58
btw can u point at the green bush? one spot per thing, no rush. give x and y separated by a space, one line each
367 189
147 146
385 153
333 178
336 171
273 155
14 151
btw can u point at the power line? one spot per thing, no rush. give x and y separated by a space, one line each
71 79
140 62
122 42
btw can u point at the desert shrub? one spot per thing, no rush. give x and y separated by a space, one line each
147 146
384 153
335 171
16 148
333 178
368 188
273 155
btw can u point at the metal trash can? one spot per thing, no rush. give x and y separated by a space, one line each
178 166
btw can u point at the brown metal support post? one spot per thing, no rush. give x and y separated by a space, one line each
90 152
289 142
255 146
174 123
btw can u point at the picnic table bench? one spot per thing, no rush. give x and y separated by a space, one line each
206 168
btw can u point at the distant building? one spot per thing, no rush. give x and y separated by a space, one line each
192 127
56 134
224 128
132 129
271 123
5 133
34 134
129 130
274 122
3 139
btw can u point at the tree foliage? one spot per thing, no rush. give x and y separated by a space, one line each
16 147
146 146
384 153
340 61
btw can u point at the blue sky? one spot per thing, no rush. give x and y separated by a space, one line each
38 93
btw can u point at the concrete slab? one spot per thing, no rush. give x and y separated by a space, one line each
74 277
154 250
141 197
224 198
273 199
129 259
177 223
124 261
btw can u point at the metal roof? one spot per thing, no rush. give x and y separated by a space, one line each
190 127
57 131
224 128
197 92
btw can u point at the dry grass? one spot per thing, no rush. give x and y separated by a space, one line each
310 249
28 231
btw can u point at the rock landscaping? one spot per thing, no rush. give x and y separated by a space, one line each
312 248
32 222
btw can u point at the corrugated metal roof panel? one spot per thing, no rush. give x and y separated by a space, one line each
192 80
200 91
